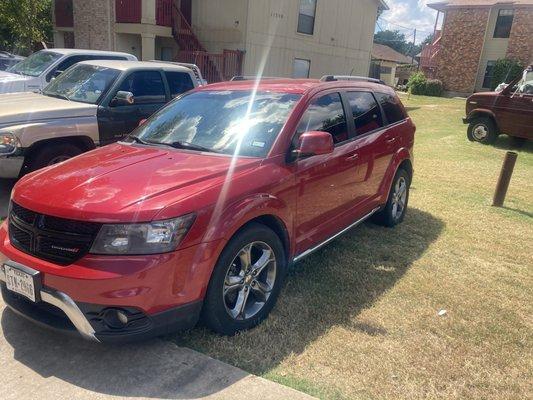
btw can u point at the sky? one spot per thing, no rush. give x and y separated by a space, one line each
405 15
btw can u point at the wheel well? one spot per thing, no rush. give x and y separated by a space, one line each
407 166
85 143
481 114
277 226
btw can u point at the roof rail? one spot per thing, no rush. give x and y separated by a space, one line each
332 78
251 77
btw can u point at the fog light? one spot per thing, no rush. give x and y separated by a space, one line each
114 318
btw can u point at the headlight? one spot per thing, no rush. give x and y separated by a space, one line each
8 143
148 238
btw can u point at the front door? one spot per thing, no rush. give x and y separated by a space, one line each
149 94
325 182
514 113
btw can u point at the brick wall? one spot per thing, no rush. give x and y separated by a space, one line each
92 24
462 43
521 39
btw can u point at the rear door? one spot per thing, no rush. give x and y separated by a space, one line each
149 93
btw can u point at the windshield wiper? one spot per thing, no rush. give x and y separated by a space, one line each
138 140
190 146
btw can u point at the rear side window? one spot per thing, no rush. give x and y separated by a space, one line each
178 82
147 87
325 114
391 107
365 111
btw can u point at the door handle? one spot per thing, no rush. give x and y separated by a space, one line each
354 156
390 140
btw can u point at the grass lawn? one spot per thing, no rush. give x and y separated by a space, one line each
359 318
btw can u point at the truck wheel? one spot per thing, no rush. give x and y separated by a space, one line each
246 281
482 130
394 211
52 154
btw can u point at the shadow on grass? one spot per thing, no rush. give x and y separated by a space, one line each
505 142
411 108
521 212
328 289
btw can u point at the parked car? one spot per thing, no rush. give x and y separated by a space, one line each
201 210
36 71
8 59
93 103
508 111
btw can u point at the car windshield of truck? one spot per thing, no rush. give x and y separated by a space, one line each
234 122
82 83
526 84
35 64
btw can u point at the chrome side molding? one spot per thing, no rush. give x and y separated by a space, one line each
335 236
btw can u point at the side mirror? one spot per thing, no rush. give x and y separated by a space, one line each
123 98
314 143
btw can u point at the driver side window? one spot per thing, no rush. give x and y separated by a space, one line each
147 87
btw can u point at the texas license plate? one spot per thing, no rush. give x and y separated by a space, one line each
20 282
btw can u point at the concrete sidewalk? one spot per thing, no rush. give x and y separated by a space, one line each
37 363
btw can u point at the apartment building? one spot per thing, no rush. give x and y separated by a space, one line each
291 38
474 35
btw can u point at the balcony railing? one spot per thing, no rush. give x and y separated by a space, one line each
429 54
163 12
128 11
64 14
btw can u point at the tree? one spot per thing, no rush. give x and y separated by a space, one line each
393 39
24 23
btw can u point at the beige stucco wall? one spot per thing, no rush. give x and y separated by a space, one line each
493 48
389 79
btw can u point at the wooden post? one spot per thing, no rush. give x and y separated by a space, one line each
504 179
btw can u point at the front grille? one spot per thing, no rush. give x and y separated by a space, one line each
51 238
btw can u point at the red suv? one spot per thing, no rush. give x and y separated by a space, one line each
202 209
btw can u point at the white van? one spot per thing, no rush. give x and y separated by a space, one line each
36 71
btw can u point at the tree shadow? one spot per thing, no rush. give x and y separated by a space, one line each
505 142
329 288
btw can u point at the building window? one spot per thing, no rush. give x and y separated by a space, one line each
503 24
489 72
306 16
301 68
385 70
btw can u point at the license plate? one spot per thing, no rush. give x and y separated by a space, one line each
20 282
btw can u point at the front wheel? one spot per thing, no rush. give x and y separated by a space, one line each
482 130
246 281
52 154
394 211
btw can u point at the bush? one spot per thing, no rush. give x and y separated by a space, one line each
417 83
433 88
505 70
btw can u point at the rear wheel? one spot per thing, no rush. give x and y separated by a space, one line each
246 281
394 211
52 154
482 130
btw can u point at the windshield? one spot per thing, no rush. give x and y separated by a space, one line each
35 64
526 83
229 122
83 83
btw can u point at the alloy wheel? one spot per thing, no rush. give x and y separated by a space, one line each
399 198
249 280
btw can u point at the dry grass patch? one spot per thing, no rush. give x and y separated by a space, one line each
359 318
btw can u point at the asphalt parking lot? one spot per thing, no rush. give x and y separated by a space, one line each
5 189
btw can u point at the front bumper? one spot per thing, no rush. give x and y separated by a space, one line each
56 310
10 166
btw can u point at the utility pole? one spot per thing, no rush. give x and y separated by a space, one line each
414 44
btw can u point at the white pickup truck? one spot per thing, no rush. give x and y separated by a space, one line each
36 71
91 104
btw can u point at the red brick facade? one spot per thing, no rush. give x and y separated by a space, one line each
521 40
462 42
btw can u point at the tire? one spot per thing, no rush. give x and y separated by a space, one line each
390 215
482 130
52 154
221 312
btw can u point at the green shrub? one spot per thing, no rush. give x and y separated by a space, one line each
417 83
505 70
433 88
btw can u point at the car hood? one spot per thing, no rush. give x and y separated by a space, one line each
12 82
125 183
26 107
